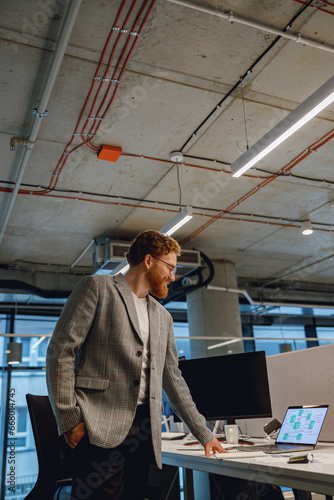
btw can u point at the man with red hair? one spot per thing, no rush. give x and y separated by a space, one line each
111 354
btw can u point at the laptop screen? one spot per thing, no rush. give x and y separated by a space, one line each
302 425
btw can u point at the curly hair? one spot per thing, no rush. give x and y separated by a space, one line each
150 242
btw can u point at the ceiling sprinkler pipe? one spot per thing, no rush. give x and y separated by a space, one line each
232 290
232 18
64 36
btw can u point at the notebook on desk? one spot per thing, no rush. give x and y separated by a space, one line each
299 432
170 436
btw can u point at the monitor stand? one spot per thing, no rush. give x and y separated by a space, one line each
218 429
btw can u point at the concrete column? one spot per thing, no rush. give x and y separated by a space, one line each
215 313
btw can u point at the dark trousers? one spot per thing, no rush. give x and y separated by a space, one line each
119 473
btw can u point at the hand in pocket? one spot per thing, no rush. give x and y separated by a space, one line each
74 435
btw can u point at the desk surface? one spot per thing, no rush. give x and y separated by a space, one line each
315 476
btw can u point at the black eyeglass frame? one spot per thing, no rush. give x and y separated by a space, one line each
172 269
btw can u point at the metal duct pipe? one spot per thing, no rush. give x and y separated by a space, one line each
232 290
230 16
64 36
82 253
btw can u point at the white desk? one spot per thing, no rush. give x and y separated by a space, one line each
311 477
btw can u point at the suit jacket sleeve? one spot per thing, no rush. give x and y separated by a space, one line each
69 335
179 395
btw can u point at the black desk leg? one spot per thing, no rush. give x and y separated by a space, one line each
302 495
188 484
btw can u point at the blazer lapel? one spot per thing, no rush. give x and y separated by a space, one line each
154 319
125 291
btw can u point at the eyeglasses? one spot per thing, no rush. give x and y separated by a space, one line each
172 269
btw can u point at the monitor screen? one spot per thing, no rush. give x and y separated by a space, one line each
229 387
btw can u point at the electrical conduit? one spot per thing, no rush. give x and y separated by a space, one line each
64 36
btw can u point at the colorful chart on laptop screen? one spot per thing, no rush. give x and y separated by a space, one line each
302 425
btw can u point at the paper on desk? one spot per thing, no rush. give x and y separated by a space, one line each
201 447
323 458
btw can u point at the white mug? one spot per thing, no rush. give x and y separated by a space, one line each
232 434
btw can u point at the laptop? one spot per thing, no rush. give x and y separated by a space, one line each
299 432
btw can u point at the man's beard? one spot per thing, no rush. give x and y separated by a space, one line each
156 284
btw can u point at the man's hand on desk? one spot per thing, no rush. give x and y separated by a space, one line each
216 447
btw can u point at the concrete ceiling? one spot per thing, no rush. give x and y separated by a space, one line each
183 63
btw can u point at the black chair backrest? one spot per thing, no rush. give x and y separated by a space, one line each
53 454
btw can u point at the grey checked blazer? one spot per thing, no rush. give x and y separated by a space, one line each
94 365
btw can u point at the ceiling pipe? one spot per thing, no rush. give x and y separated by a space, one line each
232 290
82 253
302 267
232 18
64 36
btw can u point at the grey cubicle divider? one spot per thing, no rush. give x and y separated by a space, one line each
304 377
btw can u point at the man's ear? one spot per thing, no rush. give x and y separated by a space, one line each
147 261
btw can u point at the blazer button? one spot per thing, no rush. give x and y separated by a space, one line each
139 353
136 382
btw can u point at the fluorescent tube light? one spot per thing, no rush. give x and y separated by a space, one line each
221 344
178 221
307 110
39 341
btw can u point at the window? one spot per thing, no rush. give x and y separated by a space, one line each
21 426
324 333
29 330
34 348
183 345
285 338
3 341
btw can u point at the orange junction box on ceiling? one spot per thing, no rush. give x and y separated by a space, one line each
109 153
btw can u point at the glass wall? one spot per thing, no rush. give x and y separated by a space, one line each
21 452
325 335
181 331
34 332
275 339
3 320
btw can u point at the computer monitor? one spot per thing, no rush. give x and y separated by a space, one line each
229 387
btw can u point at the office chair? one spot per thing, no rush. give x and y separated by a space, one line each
53 454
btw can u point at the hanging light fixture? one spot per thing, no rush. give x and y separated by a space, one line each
14 353
307 228
177 221
307 110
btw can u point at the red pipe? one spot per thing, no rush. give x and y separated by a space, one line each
318 8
